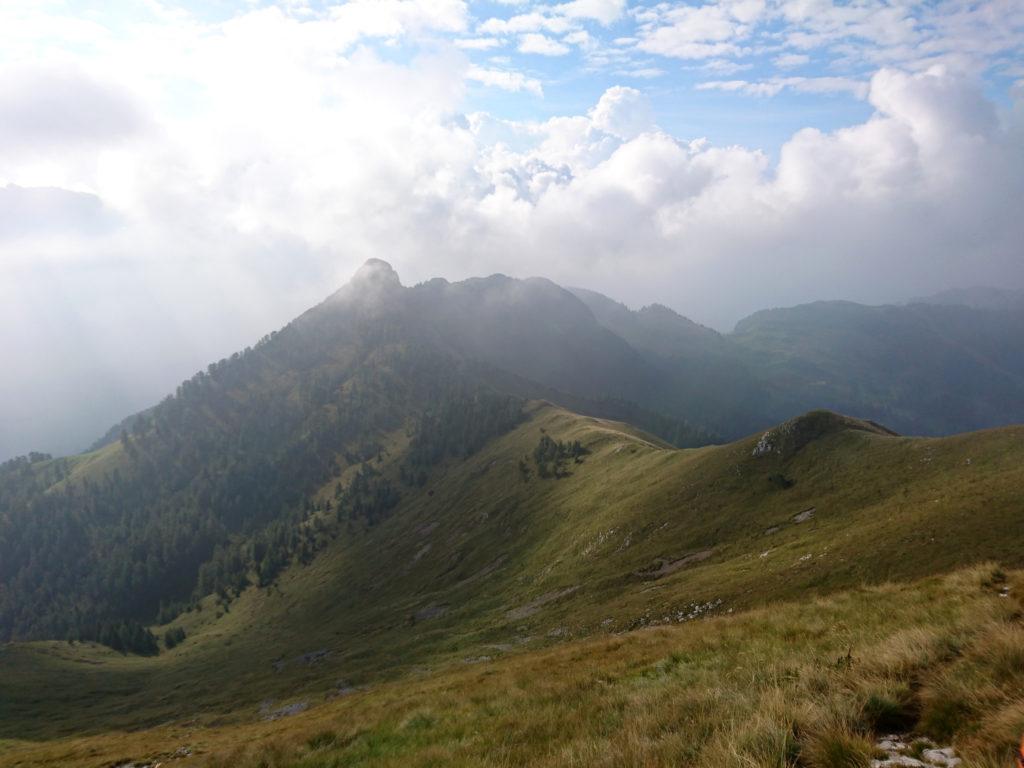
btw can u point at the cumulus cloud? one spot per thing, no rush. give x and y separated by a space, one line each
623 112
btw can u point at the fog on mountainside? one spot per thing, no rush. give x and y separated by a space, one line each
582 344
977 297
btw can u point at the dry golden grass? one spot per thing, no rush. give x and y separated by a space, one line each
801 684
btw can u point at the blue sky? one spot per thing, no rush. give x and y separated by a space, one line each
751 72
178 179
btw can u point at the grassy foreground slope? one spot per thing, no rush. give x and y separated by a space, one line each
809 684
489 559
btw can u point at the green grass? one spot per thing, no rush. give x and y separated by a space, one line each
510 569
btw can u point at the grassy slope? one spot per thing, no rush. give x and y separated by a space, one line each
815 680
482 563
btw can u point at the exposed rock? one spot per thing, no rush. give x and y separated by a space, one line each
535 605
341 688
803 517
664 567
899 751
269 713
789 437
313 657
432 611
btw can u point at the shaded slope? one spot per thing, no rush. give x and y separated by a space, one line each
211 488
703 376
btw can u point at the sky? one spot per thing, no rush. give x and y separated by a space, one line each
178 179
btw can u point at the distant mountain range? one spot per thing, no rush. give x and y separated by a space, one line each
978 297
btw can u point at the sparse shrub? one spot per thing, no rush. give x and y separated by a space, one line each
420 722
837 748
918 747
994 578
173 636
945 713
550 456
888 713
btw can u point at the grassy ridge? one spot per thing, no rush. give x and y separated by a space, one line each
488 561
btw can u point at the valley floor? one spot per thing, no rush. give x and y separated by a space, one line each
812 683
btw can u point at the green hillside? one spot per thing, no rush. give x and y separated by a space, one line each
488 558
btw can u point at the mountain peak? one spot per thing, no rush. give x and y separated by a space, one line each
371 287
376 272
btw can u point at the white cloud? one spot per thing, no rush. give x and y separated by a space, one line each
526 22
646 73
357 19
741 86
791 60
47 212
724 66
912 35
603 11
774 86
580 38
698 32
696 214
623 112
478 43
543 45
505 79
849 38
50 107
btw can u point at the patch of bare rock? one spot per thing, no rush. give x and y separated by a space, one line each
916 753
